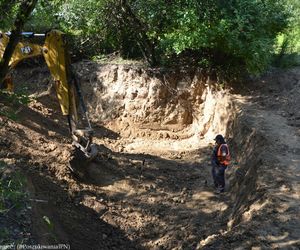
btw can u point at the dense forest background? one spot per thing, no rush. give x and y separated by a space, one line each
227 35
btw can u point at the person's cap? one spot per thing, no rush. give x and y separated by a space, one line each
219 138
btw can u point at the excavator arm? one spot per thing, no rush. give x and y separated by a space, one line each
68 90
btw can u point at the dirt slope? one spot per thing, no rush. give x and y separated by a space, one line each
265 186
151 186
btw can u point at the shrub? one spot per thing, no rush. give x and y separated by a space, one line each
231 34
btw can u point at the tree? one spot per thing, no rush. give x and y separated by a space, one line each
25 9
7 13
140 32
225 34
290 38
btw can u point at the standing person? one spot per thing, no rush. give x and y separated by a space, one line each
220 160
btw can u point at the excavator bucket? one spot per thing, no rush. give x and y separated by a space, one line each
80 160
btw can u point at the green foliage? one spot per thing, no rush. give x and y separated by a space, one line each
13 101
292 33
43 17
287 48
8 12
288 60
10 114
15 98
84 21
230 35
12 192
4 234
13 197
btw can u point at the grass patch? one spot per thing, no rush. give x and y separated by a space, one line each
13 197
12 190
10 114
13 203
14 99
11 102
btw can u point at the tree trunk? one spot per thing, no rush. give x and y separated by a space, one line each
24 12
138 29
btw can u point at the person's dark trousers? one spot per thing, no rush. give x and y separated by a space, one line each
214 172
220 177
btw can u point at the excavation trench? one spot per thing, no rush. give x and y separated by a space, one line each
151 186
176 115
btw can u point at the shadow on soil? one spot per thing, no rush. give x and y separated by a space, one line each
57 219
178 194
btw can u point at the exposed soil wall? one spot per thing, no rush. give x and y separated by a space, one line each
264 187
248 144
170 104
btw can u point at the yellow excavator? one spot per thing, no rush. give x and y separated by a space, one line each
55 52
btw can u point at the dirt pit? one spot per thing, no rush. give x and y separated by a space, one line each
151 187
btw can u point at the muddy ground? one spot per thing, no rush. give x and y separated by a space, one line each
150 186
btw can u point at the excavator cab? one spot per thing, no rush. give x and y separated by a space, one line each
55 52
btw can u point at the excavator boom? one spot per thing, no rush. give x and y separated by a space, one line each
55 52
